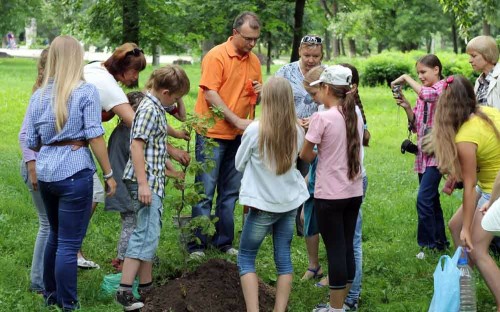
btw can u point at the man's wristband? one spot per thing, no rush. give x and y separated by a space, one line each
108 176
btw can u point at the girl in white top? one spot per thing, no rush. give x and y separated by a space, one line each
272 187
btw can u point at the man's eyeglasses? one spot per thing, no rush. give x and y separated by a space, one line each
134 52
247 39
311 40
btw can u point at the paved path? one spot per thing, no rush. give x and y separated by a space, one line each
94 56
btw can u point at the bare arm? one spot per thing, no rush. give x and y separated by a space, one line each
307 153
125 112
214 99
99 148
181 110
171 172
138 160
467 157
178 134
405 78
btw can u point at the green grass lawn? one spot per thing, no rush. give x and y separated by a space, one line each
393 279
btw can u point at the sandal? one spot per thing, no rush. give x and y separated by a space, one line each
315 273
87 264
322 283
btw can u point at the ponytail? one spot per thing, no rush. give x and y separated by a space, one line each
347 108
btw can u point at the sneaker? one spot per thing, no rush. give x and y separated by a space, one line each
87 264
232 251
197 255
420 255
127 300
350 306
322 307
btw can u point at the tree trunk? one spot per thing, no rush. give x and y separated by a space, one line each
352 47
342 47
428 43
156 55
297 29
486 28
454 37
206 46
336 40
269 58
130 23
327 53
462 46
380 47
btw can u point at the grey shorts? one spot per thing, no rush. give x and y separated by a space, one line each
144 240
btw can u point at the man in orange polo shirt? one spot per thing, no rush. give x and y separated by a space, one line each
231 78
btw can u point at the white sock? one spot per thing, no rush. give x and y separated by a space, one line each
336 310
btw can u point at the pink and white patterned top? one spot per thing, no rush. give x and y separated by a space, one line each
429 95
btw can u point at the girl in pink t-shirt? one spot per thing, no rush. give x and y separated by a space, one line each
338 134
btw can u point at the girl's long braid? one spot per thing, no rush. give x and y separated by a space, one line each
366 133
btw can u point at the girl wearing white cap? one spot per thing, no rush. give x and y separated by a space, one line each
338 133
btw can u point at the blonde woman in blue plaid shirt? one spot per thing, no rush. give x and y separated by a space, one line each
64 118
144 176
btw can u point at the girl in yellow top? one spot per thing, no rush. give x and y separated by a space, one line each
467 146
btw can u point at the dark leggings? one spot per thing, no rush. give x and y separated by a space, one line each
337 222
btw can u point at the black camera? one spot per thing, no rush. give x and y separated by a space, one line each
408 146
396 92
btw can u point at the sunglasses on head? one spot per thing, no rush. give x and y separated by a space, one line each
134 52
311 40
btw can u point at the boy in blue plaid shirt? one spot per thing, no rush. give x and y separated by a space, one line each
145 176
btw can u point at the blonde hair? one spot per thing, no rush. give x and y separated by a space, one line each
486 46
41 68
312 75
454 108
171 77
278 126
65 67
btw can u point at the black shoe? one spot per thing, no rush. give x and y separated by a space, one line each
128 301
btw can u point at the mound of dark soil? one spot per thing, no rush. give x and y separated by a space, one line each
213 287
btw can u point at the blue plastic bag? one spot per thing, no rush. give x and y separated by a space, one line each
446 296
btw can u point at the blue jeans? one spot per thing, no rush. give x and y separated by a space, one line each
431 230
69 204
144 240
42 236
227 180
355 291
257 225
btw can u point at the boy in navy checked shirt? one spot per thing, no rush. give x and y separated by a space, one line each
145 175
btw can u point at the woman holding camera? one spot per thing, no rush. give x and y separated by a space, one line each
466 141
431 231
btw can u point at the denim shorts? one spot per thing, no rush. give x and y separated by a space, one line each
257 225
483 197
144 240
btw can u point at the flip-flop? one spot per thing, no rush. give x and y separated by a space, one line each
314 272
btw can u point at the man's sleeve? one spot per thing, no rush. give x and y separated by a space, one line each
211 72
